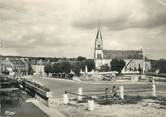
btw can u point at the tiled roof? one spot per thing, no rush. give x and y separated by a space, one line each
16 61
38 62
122 54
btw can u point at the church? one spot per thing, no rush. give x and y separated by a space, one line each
133 58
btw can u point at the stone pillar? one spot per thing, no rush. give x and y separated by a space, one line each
86 70
93 73
154 90
80 94
144 64
91 105
153 80
49 94
65 99
121 92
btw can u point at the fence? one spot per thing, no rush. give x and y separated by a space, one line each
91 96
122 94
36 90
80 97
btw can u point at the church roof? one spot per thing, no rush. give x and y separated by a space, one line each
122 54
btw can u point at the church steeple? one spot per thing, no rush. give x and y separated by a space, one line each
99 35
98 40
98 52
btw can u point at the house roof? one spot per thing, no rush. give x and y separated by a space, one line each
9 62
122 54
16 61
38 62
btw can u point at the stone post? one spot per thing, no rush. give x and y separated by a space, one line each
91 105
154 90
80 94
153 80
121 92
65 98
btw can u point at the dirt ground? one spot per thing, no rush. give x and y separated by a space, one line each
144 108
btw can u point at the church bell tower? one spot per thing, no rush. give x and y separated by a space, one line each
98 40
98 50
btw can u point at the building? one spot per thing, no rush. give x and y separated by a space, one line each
14 66
38 67
133 58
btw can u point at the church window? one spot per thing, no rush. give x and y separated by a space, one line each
98 46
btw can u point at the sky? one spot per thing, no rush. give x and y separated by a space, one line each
57 28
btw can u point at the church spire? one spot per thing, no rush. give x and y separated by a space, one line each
98 40
99 35
98 52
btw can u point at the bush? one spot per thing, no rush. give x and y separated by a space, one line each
105 68
117 65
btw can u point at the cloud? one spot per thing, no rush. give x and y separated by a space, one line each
117 14
68 28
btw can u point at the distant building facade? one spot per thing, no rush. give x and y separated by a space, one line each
14 66
38 67
133 58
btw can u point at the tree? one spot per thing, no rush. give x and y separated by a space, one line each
90 64
162 65
76 67
117 65
48 69
56 68
82 65
158 65
62 67
65 67
53 59
30 69
140 69
80 58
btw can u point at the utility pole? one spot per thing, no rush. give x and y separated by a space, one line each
144 65
74 64
1 58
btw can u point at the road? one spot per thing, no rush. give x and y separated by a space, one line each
59 86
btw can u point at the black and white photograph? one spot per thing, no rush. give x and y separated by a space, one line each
82 58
